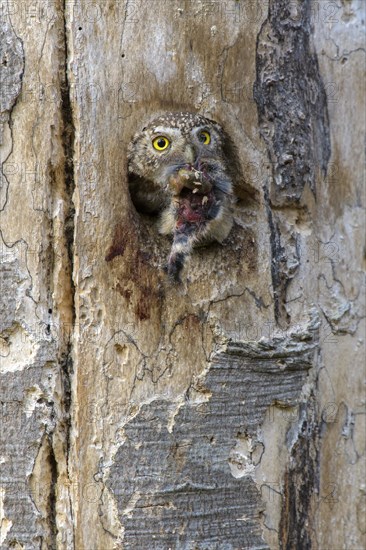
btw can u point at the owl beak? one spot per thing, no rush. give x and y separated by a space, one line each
189 154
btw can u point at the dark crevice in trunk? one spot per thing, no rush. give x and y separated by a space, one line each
301 485
52 499
280 280
68 138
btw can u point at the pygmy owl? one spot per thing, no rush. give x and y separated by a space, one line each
178 168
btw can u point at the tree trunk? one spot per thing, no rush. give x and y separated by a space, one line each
226 412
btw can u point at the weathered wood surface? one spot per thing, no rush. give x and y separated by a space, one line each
228 413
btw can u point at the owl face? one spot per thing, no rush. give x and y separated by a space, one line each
172 142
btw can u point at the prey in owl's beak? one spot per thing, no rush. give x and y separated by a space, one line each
195 206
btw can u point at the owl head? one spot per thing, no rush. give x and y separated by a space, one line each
172 142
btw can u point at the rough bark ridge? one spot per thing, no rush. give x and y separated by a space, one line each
223 413
11 71
291 99
36 311
293 119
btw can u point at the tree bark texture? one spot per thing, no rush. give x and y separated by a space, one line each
227 412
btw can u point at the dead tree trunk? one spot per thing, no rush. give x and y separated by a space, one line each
225 413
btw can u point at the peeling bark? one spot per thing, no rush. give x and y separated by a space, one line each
173 471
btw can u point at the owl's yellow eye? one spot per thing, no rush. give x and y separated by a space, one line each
204 137
160 143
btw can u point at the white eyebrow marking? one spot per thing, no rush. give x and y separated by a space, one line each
165 130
